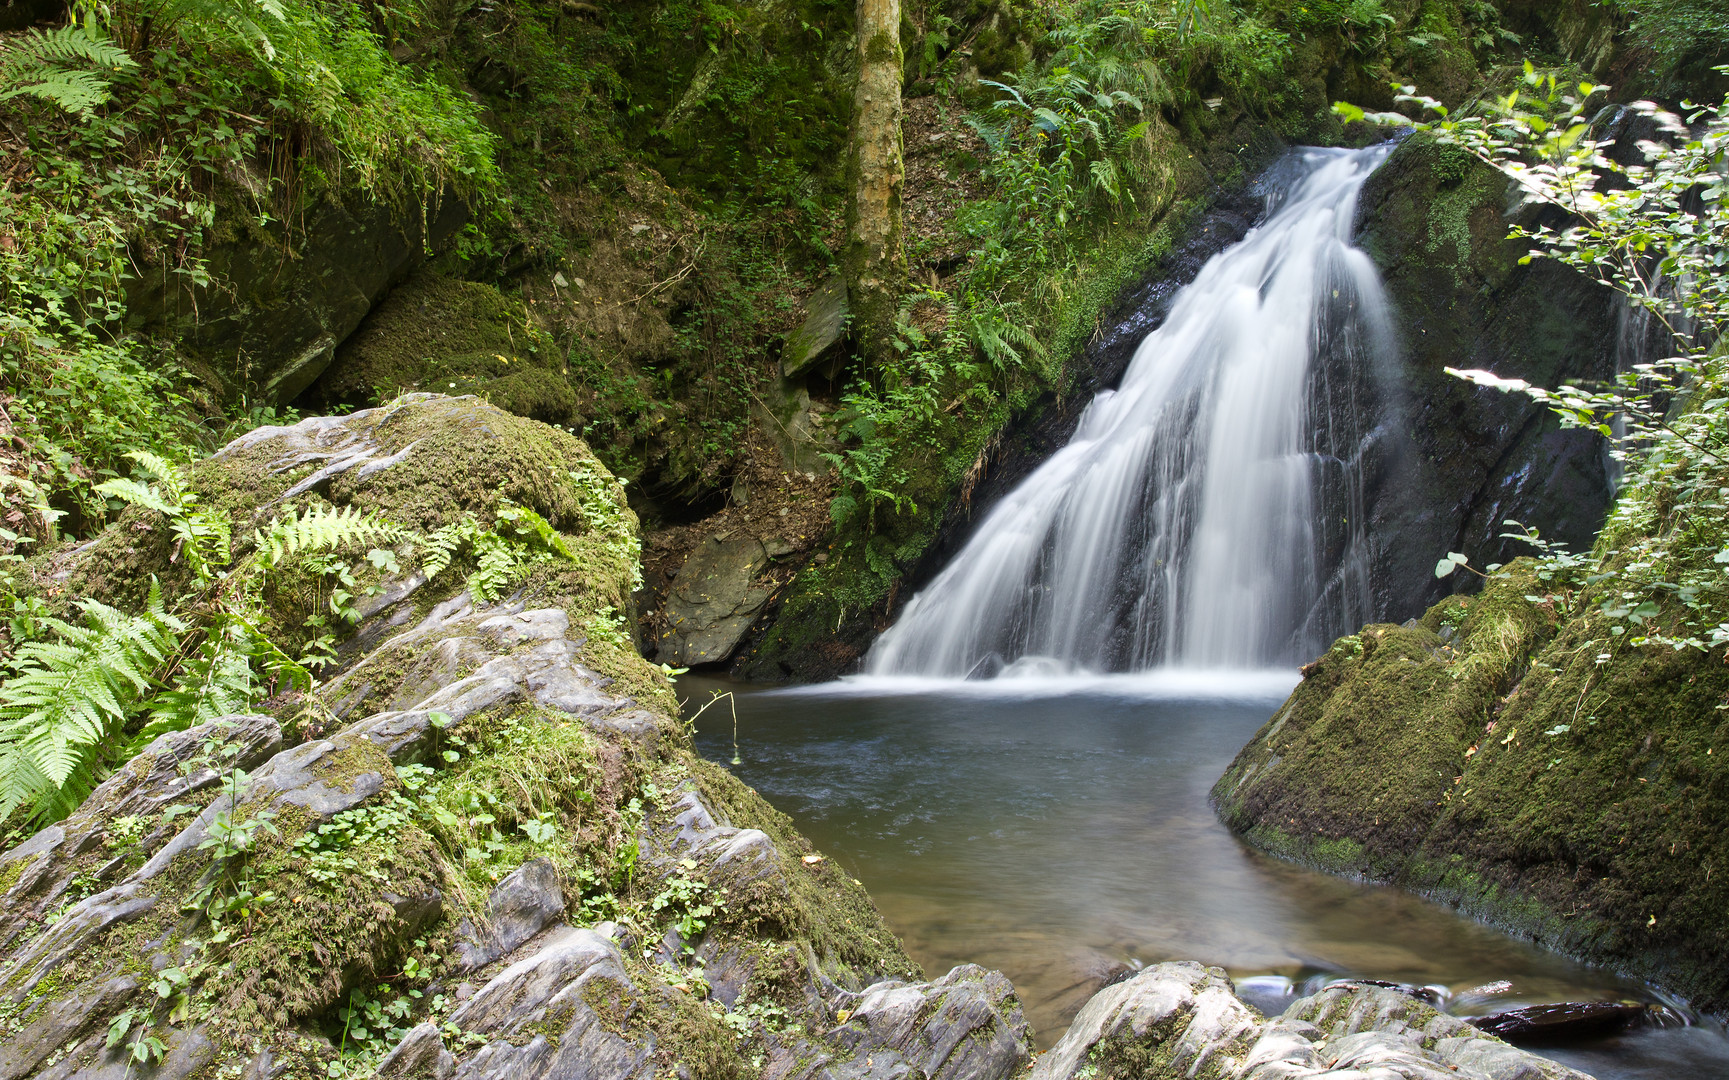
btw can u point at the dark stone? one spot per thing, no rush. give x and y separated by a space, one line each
287 303
713 601
1561 1022
1453 461
821 332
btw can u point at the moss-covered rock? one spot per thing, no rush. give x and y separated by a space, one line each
1538 773
439 334
491 791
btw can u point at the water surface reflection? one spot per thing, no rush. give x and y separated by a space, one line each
1051 831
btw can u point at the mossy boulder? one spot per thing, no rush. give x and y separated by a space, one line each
440 334
1538 772
488 793
288 296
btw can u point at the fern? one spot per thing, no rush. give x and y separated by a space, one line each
442 546
531 528
217 681
70 700
321 528
201 537
252 24
502 555
69 66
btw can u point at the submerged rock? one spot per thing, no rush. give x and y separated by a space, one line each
1561 1022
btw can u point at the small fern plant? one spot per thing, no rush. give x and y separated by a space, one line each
67 707
202 538
71 66
503 554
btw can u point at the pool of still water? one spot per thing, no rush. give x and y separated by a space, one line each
1050 828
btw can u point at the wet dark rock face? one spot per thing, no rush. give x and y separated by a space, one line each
1451 462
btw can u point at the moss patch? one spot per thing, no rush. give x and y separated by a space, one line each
444 335
1535 773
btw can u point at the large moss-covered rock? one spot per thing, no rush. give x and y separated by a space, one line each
1542 774
482 847
288 297
440 334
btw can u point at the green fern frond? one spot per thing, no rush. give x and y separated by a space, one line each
57 66
441 547
533 529
322 528
133 493
217 681
499 567
70 700
252 23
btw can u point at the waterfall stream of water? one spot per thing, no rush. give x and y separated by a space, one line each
1207 512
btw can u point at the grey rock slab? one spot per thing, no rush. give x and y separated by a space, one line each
821 331
526 902
189 1052
1187 1013
517 996
173 768
53 1022
1189 1019
420 1055
966 1025
712 601
556 986
688 829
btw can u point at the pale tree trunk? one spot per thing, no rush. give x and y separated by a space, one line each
874 261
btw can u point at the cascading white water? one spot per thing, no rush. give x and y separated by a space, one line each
1207 512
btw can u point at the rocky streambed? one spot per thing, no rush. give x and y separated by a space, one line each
484 847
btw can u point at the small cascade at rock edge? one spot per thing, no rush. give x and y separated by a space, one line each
1207 512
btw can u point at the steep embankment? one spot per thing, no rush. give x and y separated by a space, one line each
1531 768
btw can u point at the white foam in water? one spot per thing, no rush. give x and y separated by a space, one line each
1205 514
1251 686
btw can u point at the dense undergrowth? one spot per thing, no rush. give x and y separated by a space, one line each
190 120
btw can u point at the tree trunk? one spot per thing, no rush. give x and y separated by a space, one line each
874 261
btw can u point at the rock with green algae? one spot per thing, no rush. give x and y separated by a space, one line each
485 803
289 297
437 333
1184 1020
1538 772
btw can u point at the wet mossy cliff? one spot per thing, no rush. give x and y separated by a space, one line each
1449 464
1533 769
481 847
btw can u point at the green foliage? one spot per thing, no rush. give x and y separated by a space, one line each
1656 235
503 555
1685 36
68 66
175 106
69 700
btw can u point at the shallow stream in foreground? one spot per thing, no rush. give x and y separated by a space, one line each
1049 828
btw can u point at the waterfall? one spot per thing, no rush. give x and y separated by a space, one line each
1207 513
